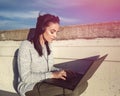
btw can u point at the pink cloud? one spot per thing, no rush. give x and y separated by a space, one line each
103 5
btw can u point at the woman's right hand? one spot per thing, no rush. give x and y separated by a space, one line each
59 75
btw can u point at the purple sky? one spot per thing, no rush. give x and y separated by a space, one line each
20 14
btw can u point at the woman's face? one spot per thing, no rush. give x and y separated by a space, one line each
51 32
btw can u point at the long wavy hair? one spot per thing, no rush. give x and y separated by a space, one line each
43 22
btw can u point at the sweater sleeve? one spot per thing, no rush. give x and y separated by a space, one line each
24 66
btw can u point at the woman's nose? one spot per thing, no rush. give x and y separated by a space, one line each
55 35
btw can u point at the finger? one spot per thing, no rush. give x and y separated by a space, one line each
63 78
63 73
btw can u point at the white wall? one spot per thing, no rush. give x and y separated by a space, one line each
105 81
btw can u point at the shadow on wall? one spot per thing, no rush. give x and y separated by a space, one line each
6 93
15 71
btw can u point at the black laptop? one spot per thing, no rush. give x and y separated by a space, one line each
89 66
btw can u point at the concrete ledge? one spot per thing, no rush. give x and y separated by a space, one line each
104 82
83 31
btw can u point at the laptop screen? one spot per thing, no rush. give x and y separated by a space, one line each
80 78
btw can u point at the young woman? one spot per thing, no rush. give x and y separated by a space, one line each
35 60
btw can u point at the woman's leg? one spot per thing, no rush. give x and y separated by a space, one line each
33 92
43 89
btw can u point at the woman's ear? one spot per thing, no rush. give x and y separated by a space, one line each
40 36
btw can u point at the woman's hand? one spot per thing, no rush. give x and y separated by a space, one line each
59 75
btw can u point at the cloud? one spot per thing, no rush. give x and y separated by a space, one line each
10 14
61 4
99 6
17 20
11 25
69 21
57 4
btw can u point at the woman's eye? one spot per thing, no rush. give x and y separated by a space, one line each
52 32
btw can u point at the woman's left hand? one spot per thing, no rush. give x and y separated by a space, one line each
59 75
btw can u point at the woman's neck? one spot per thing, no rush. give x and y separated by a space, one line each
42 40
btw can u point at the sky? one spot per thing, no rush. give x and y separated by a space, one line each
22 14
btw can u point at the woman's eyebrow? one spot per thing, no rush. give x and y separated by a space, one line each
54 30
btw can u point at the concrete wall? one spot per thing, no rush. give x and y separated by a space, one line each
105 81
88 31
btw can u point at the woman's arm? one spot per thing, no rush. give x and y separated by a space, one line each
24 66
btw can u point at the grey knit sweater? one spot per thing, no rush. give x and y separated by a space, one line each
32 67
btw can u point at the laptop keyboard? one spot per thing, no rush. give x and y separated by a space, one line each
71 81
71 75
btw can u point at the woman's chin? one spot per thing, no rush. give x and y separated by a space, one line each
50 41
